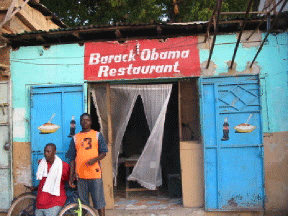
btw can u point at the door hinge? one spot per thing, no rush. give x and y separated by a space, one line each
2 105
36 151
31 98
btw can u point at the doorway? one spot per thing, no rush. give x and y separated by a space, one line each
135 138
233 143
137 133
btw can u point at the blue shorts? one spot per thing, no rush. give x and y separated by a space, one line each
95 187
54 211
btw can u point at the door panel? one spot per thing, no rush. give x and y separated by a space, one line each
5 154
44 105
242 185
65 101
211 175
233 164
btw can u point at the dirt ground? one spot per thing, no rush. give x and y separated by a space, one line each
153 203
158 203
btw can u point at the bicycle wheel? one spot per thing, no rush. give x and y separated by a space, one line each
24 205
72 209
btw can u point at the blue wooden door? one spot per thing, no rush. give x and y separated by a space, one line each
233 151
64 101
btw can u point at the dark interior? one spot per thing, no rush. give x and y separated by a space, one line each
137 133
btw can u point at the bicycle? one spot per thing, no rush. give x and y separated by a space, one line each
77 209
25 205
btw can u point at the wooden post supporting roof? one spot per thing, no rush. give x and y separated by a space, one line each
273 25
209 23
108 171
263 18
240 34
219 4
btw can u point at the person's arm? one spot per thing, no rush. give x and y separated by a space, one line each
32 188
71 154
72 176
96 159
65 172
102 150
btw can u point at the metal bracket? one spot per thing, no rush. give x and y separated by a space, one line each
2 105
7 146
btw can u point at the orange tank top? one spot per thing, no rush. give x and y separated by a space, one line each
86 145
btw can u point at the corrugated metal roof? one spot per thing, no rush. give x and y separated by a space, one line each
128 31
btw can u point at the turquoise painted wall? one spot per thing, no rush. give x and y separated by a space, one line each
223 52
274 70
59 64
273 62
64 64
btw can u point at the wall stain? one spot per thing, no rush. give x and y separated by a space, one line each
255 69
211 69
22 175
254 41
232 203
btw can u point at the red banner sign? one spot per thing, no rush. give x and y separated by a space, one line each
143 59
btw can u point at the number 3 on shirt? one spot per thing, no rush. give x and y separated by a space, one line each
87 143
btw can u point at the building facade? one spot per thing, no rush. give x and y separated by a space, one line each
230 123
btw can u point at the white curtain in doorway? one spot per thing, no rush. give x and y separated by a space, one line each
100 102
123 97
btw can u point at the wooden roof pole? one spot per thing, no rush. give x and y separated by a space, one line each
219 4
263 18
273 25
209 23
240 35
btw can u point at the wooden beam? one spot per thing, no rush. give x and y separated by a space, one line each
108 29
238 21
2 38
26 21
263 19
209 24
273 25
109 117
4 67
76 34
40 38
3 9
35 1
118 33
48 17
9 12
109 168
159 30
240 35
4 71
138 189
219 5
12 11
